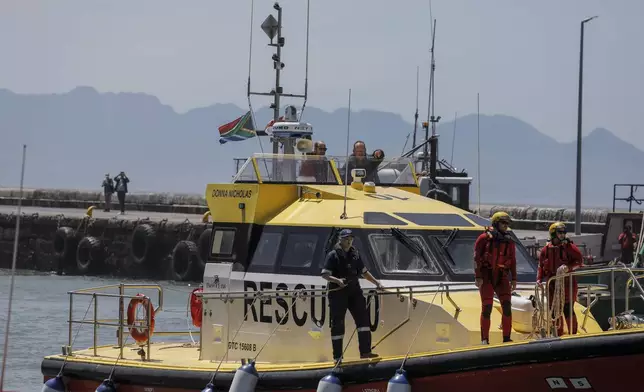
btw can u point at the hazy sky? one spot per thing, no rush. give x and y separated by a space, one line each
521 56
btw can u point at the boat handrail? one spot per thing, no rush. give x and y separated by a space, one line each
593 291
618 267
631 282
121 322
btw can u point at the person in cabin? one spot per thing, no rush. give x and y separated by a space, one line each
627 240
315 165
560 254
342 268
495 260
360 160
121 189
108 190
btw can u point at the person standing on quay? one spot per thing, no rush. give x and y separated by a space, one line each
121 189
108 190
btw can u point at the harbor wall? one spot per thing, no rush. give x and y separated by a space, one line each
192 203
163 235
77 243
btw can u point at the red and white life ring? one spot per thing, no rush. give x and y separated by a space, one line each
196 307
140 335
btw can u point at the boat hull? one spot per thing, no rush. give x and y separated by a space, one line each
594 363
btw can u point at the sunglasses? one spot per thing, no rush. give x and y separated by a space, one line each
504 222
561 231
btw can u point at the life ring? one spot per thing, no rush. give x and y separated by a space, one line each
140 335
196 307
142 245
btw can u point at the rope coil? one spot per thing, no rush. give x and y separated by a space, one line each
542 322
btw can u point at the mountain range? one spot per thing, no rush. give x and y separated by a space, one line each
76 137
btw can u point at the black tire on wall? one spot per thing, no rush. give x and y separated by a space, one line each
65 242
142 244
205 246
89 255
184 261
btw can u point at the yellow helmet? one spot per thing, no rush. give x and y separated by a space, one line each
555 227
500 216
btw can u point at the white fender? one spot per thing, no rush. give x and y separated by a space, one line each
329 383
245 379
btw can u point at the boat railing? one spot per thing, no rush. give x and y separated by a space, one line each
121 322
413 294
594 291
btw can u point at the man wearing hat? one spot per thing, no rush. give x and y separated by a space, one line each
342 268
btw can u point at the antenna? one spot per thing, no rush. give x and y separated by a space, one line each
430 112
478 151
13 268
413 143
346 171
453 140
306 72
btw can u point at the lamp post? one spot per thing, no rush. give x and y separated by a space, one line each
579 104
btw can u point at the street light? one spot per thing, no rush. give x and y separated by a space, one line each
579 102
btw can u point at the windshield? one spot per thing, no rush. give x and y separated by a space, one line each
381 172
394 257
461 251
287 169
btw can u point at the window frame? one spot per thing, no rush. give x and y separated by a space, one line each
409 216
319 251
224 256
406 275
314 259
521 276
267 269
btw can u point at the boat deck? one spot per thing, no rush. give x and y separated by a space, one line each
178 356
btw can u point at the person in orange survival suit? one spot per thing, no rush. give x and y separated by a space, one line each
560 253
495 259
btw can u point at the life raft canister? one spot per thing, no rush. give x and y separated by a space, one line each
140 335
196 307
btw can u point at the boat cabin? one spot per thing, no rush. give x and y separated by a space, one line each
281 215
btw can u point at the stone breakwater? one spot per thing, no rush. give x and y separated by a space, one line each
160 246
190 203
66 198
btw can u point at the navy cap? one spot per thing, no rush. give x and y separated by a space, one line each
346 233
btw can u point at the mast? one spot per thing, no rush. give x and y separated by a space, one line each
413 143
273 29
432 118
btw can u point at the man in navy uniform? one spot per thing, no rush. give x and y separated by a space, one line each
342 269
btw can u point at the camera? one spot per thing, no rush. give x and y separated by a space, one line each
358 174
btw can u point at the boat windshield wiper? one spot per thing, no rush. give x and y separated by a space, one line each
445 246
450 238
410 244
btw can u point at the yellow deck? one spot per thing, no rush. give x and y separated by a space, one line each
178 356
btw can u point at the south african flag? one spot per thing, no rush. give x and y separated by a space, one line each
241 128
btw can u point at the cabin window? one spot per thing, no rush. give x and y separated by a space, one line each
424 219
461 251
479 220
381 218
395 258
300 250
266 252
222 243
